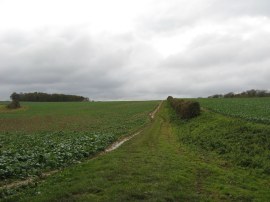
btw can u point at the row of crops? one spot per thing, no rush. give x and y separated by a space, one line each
253 109
30 154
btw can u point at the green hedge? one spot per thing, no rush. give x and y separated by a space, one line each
185 108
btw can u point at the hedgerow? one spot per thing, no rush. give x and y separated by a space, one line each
187 109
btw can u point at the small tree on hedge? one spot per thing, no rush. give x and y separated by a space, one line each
15 101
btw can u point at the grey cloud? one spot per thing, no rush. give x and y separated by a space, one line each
104 67
217 64
164 17
218 51
167 18
241 7
60 64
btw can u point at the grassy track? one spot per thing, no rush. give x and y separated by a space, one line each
153 166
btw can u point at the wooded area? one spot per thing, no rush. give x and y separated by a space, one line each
44 97
245 94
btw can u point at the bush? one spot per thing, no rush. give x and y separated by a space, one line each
169 98
15 101
189 109
14 105
185 108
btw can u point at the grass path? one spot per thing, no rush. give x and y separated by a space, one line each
153 166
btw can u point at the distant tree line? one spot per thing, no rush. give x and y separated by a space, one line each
245 94
44 97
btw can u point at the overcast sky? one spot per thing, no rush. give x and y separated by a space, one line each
134 49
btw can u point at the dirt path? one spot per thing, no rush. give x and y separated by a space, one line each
118 143
112 147
153 114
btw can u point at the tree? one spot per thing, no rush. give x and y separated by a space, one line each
216 96
44 97
15 101
251 93
15 96
229 95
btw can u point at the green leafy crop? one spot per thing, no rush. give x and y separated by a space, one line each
253 109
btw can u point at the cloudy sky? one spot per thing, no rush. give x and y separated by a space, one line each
134 49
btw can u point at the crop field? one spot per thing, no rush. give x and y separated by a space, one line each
254 109
45 136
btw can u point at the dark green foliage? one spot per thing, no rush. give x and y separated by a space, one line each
189 109
185 108
14 105
31 154
15 101
229 95
44 97
15 96
170 98
245 94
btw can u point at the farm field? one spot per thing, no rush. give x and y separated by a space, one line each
254 109
167 163
46 136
